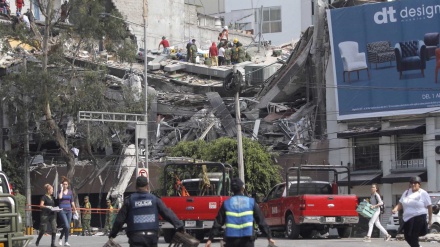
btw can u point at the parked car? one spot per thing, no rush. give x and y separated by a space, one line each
393 222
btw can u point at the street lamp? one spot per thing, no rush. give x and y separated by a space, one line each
145 79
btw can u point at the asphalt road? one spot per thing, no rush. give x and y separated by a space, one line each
98 241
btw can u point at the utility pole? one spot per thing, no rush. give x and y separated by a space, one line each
26 158
146 87
239 136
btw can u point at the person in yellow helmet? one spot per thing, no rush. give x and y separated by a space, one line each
237 43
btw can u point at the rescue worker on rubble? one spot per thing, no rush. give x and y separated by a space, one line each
238 213
166 46
146 207
193 51
228 55
188 51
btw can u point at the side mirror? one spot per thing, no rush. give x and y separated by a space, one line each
435 209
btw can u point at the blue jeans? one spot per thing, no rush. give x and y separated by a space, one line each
66 218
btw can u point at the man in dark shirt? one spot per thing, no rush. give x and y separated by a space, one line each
141 212
239 230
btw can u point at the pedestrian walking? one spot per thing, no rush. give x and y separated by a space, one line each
141 212
239 213
213 54
67 205
47 216
86 217
108 218
166 45
416 205
375 202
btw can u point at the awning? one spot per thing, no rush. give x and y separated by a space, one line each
403 177
359 134
405 129
361 179
373 132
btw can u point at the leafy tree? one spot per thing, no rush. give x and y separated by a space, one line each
261 173
48 92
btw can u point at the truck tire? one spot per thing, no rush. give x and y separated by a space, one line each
434 228
344 232
292 229
168 235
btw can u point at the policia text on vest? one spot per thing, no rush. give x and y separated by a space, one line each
141 212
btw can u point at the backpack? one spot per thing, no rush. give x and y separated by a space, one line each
382 207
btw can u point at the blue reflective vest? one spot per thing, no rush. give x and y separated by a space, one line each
239 216
142 214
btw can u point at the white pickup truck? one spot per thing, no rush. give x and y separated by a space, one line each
393 222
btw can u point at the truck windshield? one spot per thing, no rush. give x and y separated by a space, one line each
305 187
196 179
4 186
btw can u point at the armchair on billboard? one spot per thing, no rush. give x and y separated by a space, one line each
384 58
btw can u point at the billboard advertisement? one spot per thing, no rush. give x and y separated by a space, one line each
384 57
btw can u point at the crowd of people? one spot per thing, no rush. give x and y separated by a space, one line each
223 52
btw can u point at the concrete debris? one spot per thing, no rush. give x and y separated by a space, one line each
192 104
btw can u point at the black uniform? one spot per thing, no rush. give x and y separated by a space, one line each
140 211
242 241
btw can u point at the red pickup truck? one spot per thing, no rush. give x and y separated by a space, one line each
306 206
195 192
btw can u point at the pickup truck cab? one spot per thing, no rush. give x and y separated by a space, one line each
195 191
304 206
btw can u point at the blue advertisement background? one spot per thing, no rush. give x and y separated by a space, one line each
384 93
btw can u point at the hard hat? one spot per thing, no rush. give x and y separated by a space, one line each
235 40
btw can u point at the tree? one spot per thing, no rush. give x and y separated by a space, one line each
261 172
51 91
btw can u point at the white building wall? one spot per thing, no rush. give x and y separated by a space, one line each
296 16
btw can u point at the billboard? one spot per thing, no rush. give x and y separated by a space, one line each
384 57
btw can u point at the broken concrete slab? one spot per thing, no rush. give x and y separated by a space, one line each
174 67
221 112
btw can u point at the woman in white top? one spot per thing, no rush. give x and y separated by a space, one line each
416 204
375 202
221 55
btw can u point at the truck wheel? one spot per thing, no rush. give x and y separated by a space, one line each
344 232
168 235
292 229
434 228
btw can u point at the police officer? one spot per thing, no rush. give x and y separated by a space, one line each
141 212
238 213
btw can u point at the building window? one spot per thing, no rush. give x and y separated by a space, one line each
409 147
271 20
366 154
